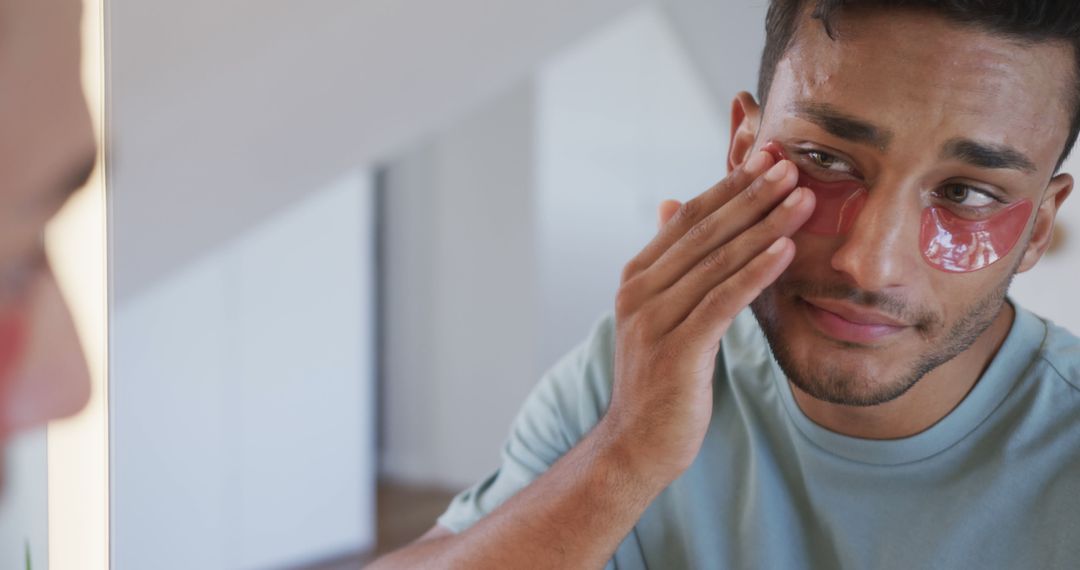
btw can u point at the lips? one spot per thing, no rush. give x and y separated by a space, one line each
851 323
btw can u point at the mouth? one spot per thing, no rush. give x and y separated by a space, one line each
850 323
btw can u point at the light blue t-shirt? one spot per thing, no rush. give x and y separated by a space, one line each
995 484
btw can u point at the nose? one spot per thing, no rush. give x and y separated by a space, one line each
881 249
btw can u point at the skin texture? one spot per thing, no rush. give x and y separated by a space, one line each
924 81
47 151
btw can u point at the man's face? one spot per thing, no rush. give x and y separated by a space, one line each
47 151
883 104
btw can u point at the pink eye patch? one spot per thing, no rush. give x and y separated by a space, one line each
947 242
837 204
958 245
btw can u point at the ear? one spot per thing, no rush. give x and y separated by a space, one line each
745 120
1041 235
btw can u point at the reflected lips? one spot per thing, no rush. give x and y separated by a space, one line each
850 323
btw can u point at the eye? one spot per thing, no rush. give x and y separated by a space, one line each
826 161
967 196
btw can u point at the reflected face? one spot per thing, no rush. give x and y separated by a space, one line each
933 121
47 151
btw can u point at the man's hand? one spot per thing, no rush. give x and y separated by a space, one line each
712 256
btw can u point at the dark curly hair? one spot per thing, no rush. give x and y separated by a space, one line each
1023 20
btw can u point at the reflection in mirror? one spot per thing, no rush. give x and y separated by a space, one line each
52 295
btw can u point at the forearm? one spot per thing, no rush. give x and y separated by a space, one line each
573 516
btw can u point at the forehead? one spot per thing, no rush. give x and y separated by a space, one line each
929 79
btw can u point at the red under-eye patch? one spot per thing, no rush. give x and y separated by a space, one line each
837 203
957 245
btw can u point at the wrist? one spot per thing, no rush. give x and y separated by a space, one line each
623 452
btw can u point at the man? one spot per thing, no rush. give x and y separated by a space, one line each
47 151
883 405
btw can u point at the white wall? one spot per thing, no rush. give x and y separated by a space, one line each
242 397
460 294
283 95
724 39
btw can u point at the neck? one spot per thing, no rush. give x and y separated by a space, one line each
925 404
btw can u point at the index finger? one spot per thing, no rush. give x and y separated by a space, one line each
664 212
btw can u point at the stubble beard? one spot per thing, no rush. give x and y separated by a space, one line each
829 382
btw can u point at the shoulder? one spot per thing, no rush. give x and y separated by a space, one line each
577 388
1060 353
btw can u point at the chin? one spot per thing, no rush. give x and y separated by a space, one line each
848 386
838 372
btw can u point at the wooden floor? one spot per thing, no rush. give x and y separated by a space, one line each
403 514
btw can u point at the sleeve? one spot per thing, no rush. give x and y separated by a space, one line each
564 405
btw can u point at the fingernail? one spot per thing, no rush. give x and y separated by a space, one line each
757 161
776 172
794 198
776 246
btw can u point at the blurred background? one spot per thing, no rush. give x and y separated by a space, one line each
342 240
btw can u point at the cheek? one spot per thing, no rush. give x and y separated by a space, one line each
837 205
947 242
956 245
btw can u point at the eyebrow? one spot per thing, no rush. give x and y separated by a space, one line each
843 125
985 155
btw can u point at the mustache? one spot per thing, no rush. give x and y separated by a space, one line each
892 305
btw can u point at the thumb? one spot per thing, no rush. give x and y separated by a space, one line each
666 209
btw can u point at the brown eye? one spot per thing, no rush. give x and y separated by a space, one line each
828 162
968 196
956 193
821 159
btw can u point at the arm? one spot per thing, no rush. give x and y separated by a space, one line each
677 298
574 515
